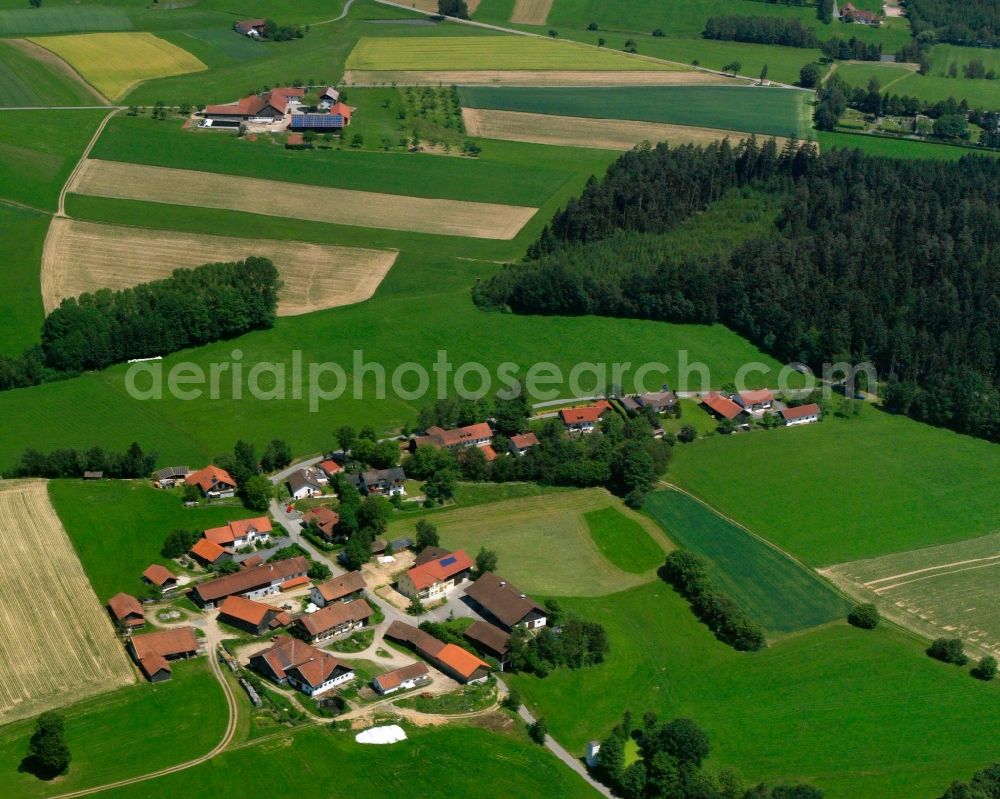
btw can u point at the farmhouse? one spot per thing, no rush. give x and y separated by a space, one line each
803 414
241 533
303 484
337 618
859 15
402 679
723 408
656 401
384 482
584 419
213 482
340 589
435 577
208 553
755 401
126 611
500 600
170 476
330 467
153 651
521 443
490 640
302 666
250 27
159 576
473 435
252 617
255 583
326 521
263 108
451 659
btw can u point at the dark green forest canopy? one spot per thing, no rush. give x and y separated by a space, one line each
892 261
959 21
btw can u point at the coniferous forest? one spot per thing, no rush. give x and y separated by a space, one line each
870 259
958 21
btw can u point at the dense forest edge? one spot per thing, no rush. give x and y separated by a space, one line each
872 259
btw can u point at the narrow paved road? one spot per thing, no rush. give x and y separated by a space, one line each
347 8
79 164
556 748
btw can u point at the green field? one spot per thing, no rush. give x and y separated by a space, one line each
849 489
623 541
26 81
117 527
545 544
22 234
780 594
901 80
125 733
771 111
893 148
38 150
62 19
856 713
489 52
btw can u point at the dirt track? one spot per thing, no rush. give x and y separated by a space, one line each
534 77
82 257
300 201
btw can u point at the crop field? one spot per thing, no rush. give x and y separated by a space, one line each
432 5
319 204
544 543
32 76
624 541
531 12
62 18
57 644
22 233
607 134
520 77
782 595
845 490
83 257
769 111
113 63
869 714
947 590
489 53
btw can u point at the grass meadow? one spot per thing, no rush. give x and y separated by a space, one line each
62 19
22 234
901 80
893 148
849 489
780 594
546 545
156 725
118 526
856 713
776 112
623 541
27 81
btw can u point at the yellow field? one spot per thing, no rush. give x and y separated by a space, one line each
299 201
531 12
57 644
113 63
605 134
527 77
490 53
83 256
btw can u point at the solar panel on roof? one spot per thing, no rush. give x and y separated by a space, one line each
448 560
317 121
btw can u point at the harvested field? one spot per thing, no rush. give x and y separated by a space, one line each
298 201
83 256
527 77
947 590
431 6
531 12
57 644
606 134
114 63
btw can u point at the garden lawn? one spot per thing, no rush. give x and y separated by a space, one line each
770 111
543 543
844 490
27 81
623 541
781 595
856 713
157 725
38 150
22 234
118 526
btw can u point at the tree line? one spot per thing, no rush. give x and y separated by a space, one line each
908 279
69 463
957 21
854 48
760 30
190 308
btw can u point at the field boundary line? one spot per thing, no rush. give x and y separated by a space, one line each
61 209
70 67
929 569
884 588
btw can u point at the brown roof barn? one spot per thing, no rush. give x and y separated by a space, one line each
335 619
153 651
505 603
260 581
127 611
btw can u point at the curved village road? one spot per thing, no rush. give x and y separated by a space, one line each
226 738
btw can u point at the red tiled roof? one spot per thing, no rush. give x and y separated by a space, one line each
335 615
440 437
295 582
343 109
209 477
326 519
207 550
393 679
251 562
342 586
175 641
439 570
158 575
294 138
313 665
757 395
331 467
243 609
586 414
489 452
802 410
238 529
460 661
153 663
123 605
723 406
247 580
524 440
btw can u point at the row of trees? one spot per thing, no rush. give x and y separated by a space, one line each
760 30
958 21
69 462
854 48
